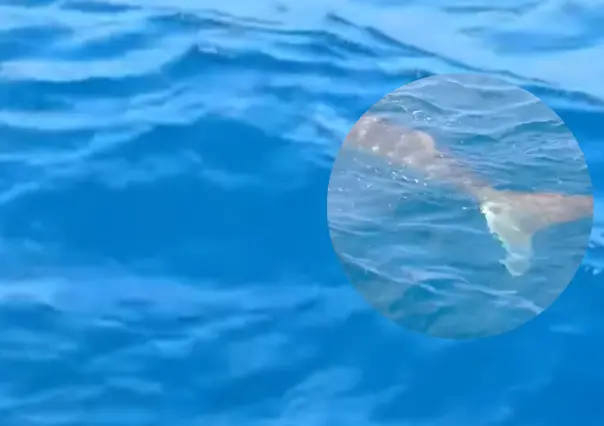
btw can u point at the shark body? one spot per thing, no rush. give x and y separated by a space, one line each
513 217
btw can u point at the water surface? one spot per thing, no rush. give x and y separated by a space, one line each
165 251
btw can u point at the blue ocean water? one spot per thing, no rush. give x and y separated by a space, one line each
165 252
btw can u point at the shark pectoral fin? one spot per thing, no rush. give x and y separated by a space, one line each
508 228
519 256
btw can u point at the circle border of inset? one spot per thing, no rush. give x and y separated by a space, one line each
385 144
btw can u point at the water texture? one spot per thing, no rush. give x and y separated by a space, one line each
165 257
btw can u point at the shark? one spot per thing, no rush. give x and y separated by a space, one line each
512 217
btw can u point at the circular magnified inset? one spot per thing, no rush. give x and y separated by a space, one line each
460 206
